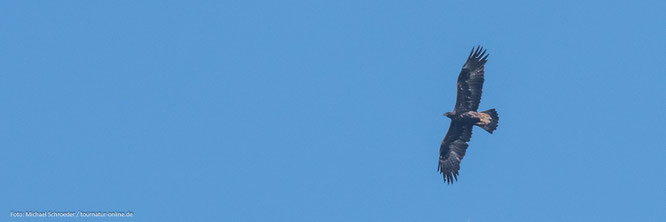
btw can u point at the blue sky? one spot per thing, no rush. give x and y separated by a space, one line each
331 111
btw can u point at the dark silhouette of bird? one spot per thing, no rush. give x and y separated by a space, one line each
465 116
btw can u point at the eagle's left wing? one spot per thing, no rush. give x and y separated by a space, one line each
453 148
470 81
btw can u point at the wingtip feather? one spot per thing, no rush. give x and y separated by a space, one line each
478 56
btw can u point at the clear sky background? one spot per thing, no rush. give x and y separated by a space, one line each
331 110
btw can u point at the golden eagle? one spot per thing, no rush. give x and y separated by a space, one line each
465 115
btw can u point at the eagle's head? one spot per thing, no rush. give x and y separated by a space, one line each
449 114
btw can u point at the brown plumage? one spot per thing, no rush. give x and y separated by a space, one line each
465 116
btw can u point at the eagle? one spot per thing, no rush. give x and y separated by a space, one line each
465 116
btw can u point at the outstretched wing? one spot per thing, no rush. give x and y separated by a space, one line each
470 81
453 148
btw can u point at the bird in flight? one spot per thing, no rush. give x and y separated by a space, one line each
465 115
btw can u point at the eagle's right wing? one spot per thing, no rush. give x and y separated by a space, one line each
453 148
470 81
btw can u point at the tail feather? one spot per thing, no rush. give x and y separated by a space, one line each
494 119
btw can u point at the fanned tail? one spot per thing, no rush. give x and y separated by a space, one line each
494 119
